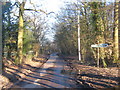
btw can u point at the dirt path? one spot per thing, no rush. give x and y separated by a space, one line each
50 76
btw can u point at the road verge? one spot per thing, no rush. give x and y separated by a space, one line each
15 73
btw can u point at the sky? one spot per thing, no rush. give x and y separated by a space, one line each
54 6
50 6
47 6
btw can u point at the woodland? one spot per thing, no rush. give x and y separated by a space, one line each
99 23
23 35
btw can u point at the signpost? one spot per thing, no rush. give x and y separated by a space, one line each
98 46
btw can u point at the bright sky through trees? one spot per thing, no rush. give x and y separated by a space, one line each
47 6
54 6
50 6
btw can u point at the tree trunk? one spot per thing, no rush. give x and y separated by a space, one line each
20 35
119 28
116 29
99 28
102 40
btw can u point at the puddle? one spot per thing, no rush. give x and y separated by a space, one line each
67 72
50 69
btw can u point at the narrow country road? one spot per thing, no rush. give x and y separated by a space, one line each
50 76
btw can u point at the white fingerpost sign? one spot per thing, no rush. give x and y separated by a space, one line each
100 45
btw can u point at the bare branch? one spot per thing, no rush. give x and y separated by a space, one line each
36 10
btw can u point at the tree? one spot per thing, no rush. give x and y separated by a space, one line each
96 23
20 33
116 31
21 30
99 28
9 30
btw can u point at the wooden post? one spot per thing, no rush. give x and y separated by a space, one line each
98 56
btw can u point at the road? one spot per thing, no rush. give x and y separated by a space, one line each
52 75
